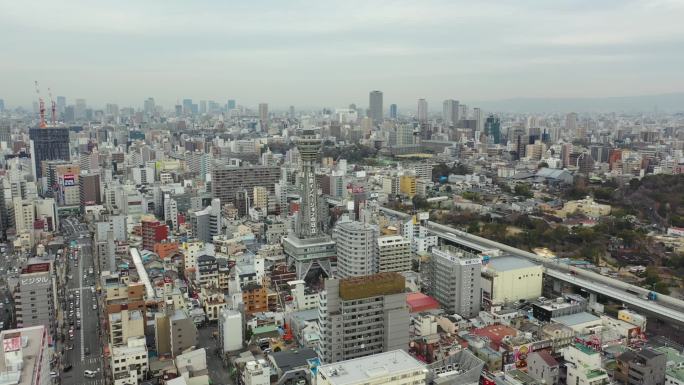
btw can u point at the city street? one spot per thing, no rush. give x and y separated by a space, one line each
218 373
87 351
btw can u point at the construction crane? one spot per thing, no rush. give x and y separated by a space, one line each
53 106
41 107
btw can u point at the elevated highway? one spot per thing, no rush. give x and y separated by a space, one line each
664 307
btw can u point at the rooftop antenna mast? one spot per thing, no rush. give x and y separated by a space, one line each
41 108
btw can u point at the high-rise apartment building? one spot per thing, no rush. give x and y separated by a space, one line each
422 113
356 249
362 316
90 191
456 280
375 106
393 254
450 109
227 180
34 297
51 143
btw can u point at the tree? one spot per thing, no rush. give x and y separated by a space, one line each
523 189
543 165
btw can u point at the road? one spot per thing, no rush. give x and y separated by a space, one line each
87 346
218 373
666 308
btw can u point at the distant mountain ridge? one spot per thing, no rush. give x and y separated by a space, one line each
673 102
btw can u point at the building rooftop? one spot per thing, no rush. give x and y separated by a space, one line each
18 359
365 369
291 359
418 302
371 286
508 263
584 348
575 319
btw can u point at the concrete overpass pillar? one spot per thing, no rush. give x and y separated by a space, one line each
592 298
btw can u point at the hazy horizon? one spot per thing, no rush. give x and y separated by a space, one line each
307 53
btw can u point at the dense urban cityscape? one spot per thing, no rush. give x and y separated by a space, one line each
214 243
383 192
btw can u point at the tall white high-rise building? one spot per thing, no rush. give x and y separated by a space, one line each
375 106
263 115
450 112
422 113
478 115
356 249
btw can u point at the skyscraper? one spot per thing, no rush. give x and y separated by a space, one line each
356 249
309 248
230 105
492 129
393 111
2 105
263 115
187 106
80 109
375 106
422 113
61 104
51 143
478 115
149 106
450 112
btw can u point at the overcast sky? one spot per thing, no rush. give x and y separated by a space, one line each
324 53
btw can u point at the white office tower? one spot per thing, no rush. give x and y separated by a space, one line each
450 112
456 280
422 113
230 330
356 252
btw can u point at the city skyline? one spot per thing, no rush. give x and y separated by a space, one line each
334 54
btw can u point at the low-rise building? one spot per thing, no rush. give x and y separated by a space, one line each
508 279
392 368
129 361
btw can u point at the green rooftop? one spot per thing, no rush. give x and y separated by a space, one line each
595 373
584 348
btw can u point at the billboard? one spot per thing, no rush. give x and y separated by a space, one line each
68 180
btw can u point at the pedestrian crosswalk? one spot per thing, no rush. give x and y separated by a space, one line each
97 381
91 360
